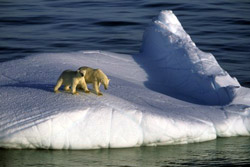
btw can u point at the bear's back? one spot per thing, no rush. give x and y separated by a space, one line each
92 74
100 74
68 75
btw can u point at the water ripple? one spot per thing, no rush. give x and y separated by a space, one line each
218 26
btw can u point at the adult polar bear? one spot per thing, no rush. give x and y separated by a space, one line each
96 77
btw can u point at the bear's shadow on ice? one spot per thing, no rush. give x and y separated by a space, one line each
44 87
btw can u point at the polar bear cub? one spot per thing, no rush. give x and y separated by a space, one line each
96 77
70 78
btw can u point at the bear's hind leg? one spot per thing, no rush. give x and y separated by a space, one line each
96 88
73 88
58 85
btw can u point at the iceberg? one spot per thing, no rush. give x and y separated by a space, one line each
170 93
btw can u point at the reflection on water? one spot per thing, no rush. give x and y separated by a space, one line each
220 152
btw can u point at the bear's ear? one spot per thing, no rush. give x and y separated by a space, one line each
79 72
84 72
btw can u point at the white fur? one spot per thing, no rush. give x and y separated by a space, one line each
70 78
96 77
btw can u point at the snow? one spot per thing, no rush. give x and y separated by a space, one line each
171 93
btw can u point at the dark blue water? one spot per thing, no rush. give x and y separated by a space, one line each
219 153
221 27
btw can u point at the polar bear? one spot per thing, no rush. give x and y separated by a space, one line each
96 77
70 78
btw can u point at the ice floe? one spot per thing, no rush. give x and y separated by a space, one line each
170 93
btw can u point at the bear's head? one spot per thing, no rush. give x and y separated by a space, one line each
81 72
105 82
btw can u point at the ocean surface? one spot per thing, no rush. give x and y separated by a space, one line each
221 27
223 152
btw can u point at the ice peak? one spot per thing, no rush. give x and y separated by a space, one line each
185 70
168 17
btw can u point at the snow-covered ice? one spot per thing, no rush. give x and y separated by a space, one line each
170 93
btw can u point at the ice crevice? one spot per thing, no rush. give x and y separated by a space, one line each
169 93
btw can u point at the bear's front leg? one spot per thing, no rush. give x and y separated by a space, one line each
96 88
73 88
99 94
